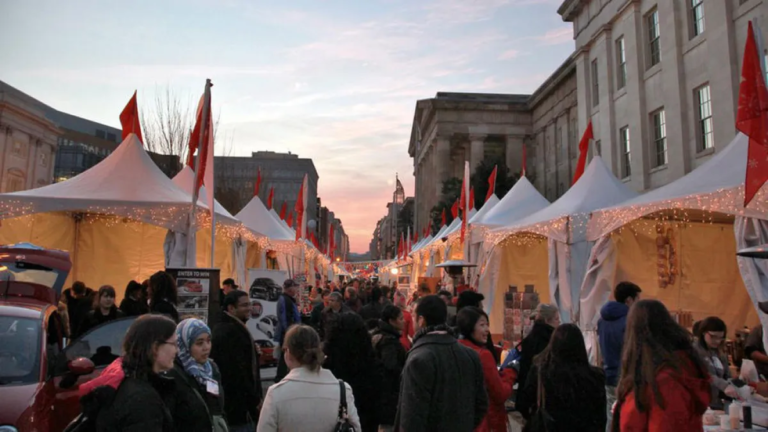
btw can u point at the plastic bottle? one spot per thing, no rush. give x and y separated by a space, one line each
734 412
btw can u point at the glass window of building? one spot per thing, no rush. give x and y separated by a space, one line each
697 17
624 151
621 67
659 138
595 85
654 38
705 135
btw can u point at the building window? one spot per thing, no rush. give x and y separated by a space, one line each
621 59
626 158
595 85
705 135
101 134
654 38
659 138
697 16
112 137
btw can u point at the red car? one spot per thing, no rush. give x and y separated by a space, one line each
39 373
267 352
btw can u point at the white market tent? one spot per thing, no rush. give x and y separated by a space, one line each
562 260
701 221
108 217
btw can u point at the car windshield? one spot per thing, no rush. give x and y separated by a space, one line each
19 350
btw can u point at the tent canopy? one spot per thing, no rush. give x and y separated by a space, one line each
126 183
596 189
256 217
184 180
522 200
484 210
716 186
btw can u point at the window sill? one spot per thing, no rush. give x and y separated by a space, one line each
659 168
693 43
653 70
626 179
620 93
705 153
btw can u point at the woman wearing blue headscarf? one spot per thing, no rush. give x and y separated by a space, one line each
198 400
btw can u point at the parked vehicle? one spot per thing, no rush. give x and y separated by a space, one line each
267 325
267 350
39 373
265 289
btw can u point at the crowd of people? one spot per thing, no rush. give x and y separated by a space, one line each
368 356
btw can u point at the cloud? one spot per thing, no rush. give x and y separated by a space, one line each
509 54
557 36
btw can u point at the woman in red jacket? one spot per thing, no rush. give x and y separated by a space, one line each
664 385
473 327
407 333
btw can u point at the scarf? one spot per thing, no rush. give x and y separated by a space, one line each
186 333
432 329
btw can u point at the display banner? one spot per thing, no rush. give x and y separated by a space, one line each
198 293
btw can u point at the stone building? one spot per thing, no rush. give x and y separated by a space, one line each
236 179
28 141
658 79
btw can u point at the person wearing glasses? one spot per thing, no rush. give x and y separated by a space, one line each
710 345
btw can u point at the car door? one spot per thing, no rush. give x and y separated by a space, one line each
102 345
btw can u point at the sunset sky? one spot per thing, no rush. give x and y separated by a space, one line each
335 81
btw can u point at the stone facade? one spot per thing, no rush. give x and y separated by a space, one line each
662 75
28 142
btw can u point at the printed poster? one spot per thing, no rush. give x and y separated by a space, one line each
198 290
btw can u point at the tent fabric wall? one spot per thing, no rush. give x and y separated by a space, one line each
518 265
567 268
223 260
754 272
708 284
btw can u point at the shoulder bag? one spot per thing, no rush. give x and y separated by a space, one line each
343 424
541 421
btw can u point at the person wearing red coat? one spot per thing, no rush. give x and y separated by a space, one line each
678 389
473 327
407 334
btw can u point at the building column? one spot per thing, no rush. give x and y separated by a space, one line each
477 151
634 37
514 152
442 163
583 89
721 38
6 134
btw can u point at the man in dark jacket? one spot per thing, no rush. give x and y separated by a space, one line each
371 313
316 317
235 353
287 315
610 331
79 300
442 383
390 352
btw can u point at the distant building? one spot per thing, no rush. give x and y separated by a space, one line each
236 179
341 240
386 236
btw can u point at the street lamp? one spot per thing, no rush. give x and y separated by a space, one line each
395 271
759 252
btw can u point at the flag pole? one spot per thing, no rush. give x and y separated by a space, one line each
209 123
195 189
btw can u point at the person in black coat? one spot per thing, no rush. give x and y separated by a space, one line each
371 313
574 390
547 318
163 295
350 357
198 400
391 354
139 404
134 304
79 301
443 387
104 311
234 351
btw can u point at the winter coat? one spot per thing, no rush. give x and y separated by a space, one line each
355 304
138 406
371 313
234 353
497 385
287 315
191 404
96 318
306 401
442 387
365 380
132 307
610 331
574 398
166 308
391 354
532 345
719 380
77 308
686 396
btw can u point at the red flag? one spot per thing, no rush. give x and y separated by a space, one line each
492 183
301 207
472 198
258 183
202 127
455 210
290 220
583 150
443 218
270 198
283 210
752 117
129 119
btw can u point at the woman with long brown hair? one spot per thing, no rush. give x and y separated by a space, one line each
664 384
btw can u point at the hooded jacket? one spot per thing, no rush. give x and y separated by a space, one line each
686 396
499 387
610 331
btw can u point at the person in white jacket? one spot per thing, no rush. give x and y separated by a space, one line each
308 398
